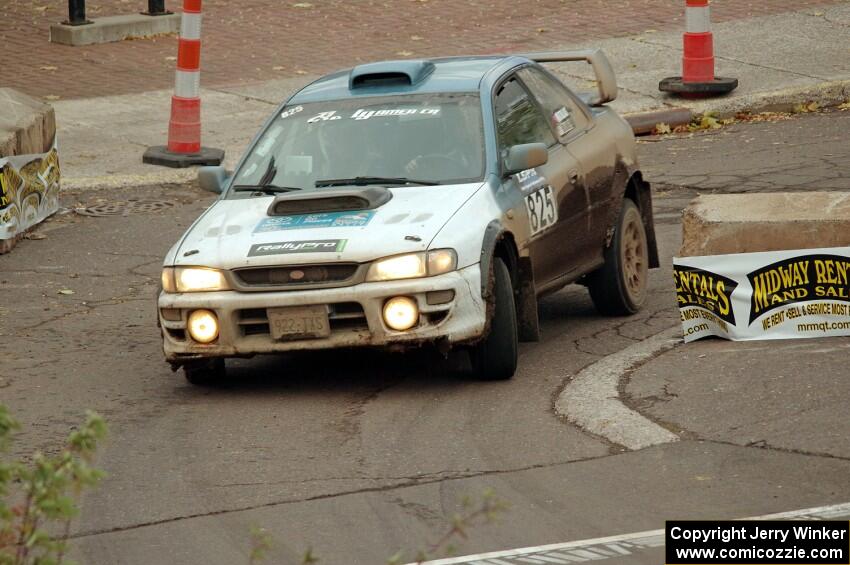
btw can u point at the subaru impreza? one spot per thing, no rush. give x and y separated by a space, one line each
409 203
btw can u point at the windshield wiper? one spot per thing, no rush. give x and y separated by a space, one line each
269 173
264 188
364 181
265 183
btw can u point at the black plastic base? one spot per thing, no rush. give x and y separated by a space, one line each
717 87
160 155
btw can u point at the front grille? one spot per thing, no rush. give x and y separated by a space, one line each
341 317
296 275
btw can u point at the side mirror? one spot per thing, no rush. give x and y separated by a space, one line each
526 156
213 179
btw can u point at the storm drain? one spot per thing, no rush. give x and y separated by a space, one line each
127 208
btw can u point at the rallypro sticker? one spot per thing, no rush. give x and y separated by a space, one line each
307 246
324 220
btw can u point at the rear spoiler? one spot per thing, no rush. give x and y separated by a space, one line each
606 81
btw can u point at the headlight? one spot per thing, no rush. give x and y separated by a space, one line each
398 267
193 279
413 265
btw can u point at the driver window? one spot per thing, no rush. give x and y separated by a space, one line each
518 118
561 109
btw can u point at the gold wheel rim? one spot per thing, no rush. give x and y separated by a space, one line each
633 256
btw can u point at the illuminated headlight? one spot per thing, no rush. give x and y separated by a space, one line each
193 279
413 265
203 326
401 313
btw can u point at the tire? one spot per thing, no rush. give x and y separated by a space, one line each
495 357
207 372
619 287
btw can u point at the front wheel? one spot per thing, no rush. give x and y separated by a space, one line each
495 357
618 288
207 372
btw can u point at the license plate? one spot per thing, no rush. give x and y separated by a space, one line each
299 322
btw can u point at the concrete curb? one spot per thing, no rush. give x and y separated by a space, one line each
591 400
644 123
826 94
108 29
169 176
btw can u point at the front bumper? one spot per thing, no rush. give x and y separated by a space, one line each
355 316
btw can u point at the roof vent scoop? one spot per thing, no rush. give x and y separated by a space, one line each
390 73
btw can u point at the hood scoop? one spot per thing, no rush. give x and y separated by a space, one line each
339 200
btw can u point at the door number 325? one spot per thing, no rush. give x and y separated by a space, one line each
542 212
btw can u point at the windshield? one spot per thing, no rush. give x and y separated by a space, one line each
430 138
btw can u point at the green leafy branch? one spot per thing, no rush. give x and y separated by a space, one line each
41 497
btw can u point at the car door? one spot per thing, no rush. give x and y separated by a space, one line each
555 201
574 126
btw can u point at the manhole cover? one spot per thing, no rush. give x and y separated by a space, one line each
127 208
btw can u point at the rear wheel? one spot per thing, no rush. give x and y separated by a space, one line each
618 288
206 372
495 357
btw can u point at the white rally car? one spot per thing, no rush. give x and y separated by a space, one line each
406 203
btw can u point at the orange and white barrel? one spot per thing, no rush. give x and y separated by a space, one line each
698 60
184 126
698 78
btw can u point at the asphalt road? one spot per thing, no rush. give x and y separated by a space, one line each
359 454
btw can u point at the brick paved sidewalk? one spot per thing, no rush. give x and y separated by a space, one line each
247 41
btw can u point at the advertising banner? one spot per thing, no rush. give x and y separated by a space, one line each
771 295
29 191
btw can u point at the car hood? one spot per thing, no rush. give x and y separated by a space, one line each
239 232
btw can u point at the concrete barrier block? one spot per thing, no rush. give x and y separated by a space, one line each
114 28
719 224
29 165
27 125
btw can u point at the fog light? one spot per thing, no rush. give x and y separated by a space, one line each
401 313
203 326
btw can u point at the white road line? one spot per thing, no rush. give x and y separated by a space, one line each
623 545
591 401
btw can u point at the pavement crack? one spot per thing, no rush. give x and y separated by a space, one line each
762 444
57 318
401 483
